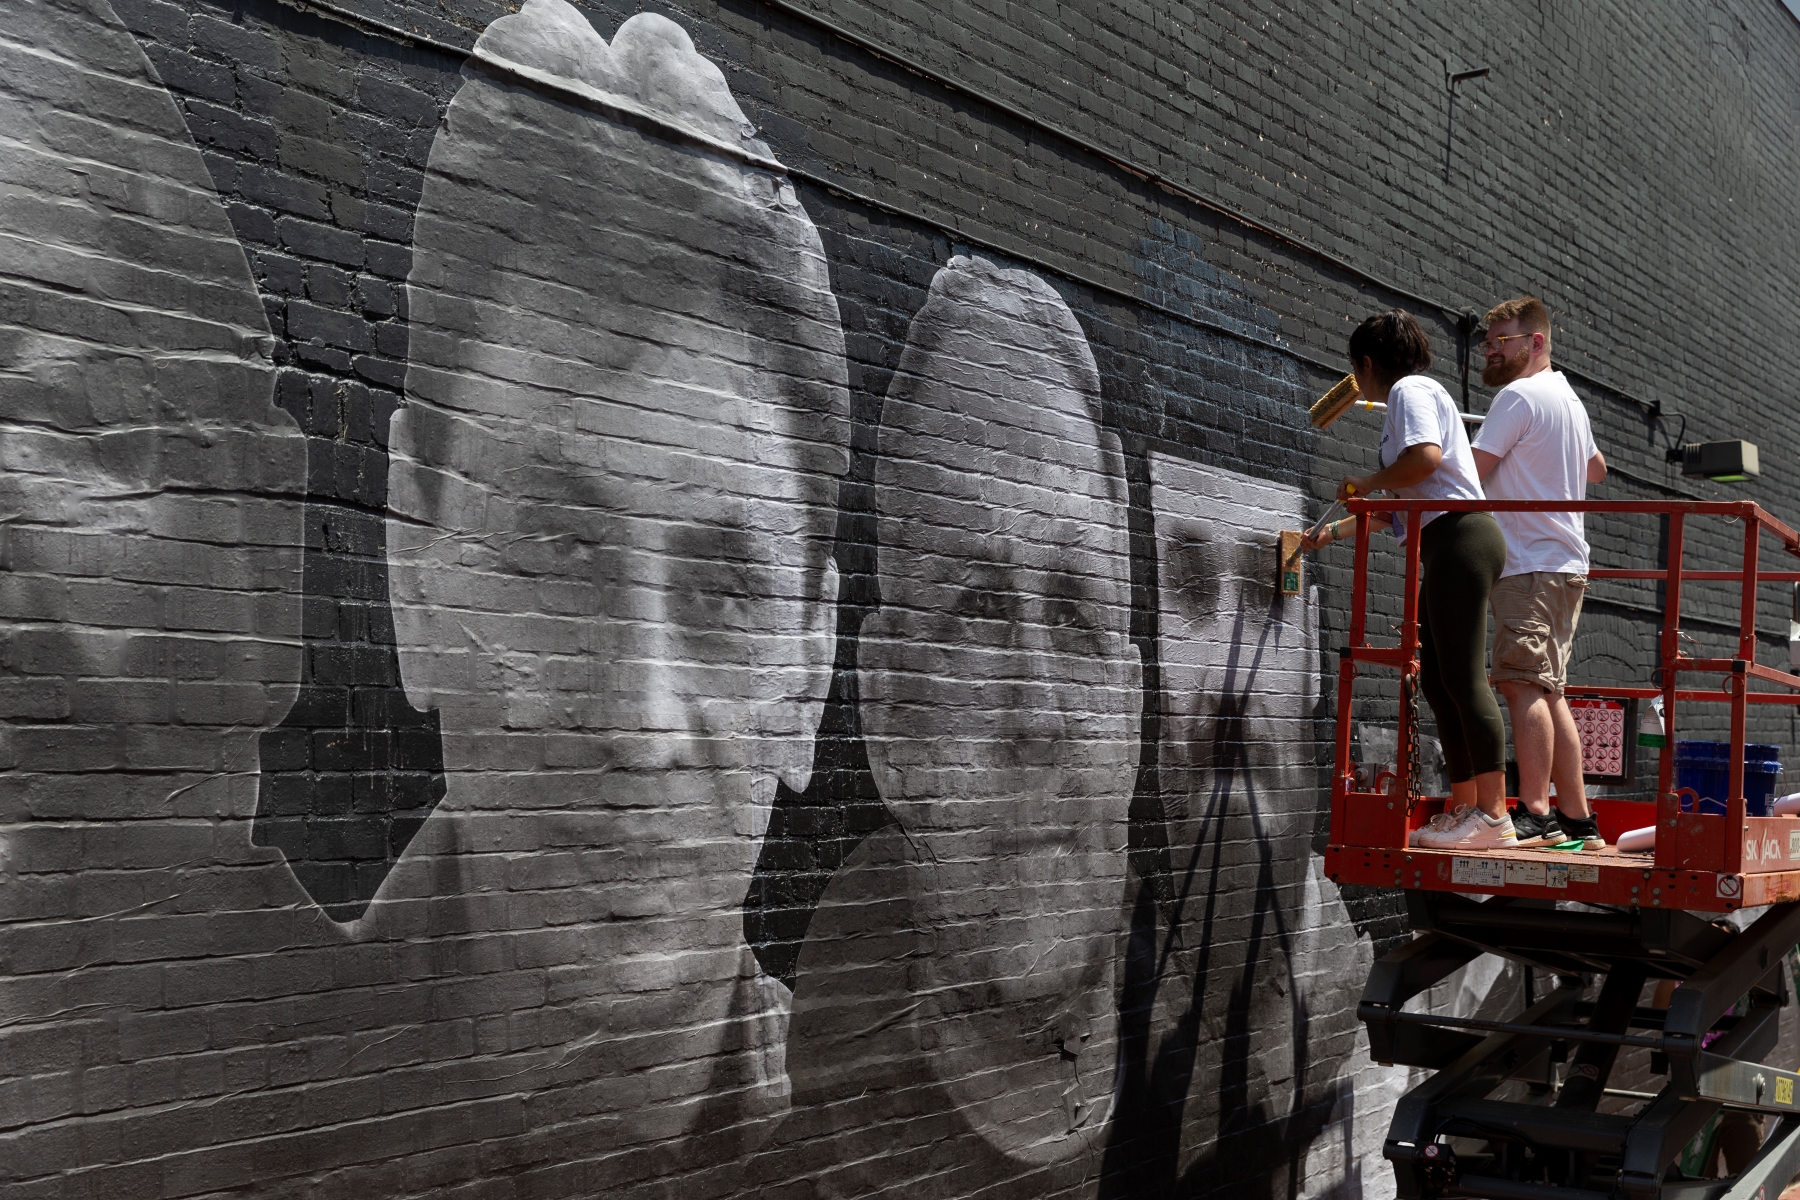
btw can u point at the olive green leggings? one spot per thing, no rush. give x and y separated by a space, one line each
1461 554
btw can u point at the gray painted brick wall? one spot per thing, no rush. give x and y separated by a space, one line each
600 873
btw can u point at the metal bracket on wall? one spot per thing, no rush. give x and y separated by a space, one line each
1452 80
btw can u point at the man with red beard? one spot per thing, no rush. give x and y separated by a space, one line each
1536 444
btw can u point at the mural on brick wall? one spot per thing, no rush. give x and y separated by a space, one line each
1000 699
613 495
613 492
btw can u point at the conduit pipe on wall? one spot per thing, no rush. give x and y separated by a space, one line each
319 8
323 8
638 115
1151 175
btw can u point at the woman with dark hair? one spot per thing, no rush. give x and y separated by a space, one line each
1425 456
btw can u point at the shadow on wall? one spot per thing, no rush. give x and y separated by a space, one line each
613 494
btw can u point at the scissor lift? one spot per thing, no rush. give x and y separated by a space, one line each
1601 924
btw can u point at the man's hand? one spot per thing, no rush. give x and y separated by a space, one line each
1354 486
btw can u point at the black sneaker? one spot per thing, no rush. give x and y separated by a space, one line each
1586 829
1534 830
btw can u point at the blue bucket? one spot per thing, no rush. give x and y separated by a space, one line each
1705 767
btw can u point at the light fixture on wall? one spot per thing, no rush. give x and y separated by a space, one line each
1722 462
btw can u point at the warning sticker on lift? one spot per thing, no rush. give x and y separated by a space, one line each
1561 875
1479 872
1525 872
1498 872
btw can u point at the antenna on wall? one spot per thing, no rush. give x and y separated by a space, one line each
1454 79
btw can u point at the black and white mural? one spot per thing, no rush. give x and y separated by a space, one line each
1000 699
617 497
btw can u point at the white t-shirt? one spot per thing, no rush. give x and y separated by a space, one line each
1420 411
1539 430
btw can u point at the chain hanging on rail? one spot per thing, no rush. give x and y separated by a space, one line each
1409 687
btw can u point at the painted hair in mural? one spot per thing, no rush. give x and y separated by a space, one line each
613 491
1000 699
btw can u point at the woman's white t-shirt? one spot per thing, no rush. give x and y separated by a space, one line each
1420 411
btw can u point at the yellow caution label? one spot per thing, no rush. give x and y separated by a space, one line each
1784 1091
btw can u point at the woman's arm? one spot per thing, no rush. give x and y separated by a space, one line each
1416 464
1342 530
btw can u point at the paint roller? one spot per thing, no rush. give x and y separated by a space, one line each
1332 405
1336 402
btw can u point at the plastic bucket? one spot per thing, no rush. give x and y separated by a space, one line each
1705 767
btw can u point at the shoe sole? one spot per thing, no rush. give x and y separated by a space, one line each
1528 843
1508 844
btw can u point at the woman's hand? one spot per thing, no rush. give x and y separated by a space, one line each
1354 486
1341 530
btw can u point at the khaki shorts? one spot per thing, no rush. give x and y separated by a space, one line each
1534 627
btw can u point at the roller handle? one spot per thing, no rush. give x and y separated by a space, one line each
1320 524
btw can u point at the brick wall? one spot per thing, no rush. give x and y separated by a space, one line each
680 603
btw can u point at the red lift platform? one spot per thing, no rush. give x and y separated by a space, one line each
1703 862
1512 1112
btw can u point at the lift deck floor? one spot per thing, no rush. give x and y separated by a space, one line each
1770 864
1588 876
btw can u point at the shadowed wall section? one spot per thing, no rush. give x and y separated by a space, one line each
628 604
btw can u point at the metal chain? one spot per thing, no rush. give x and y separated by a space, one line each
1409 684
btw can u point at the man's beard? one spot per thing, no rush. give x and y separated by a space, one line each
1504 373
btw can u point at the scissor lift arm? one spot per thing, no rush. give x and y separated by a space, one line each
1605 925
1543 1149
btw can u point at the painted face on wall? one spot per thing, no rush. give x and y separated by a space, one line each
150 550
1238 657
1239 674
151 536
612 496
1000 700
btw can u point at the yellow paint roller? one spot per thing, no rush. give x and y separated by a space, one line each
1333 404
1288 556
1330 407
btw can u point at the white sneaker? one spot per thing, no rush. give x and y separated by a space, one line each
1472 830
1439 823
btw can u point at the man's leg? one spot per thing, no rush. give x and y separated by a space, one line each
1565 770
1534 741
